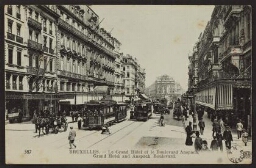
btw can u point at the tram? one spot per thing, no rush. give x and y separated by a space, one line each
142 111
157 107
103 112
120 111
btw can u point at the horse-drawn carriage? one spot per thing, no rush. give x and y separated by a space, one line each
51 122
15 115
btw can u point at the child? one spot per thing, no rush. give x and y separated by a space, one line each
245 137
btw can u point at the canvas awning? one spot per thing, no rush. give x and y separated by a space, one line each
101 89
143 96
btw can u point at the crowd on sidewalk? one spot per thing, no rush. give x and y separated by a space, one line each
197 125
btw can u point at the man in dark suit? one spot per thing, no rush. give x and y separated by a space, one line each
227 136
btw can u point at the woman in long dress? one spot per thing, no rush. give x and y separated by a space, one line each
189 132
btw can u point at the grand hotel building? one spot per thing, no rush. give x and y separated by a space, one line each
57 56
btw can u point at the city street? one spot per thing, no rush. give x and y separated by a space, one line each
125 136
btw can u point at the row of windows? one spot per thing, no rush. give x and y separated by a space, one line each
45 63
45 22
17 8
46 85
71 87
14 82
10 27
86 31
11 55
34 36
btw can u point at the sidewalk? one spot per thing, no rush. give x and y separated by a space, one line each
208 134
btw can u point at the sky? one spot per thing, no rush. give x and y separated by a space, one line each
160 37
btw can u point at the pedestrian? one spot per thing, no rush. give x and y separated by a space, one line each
221 123
198 142
79 121
227 136
204 146
219 139
239 128
71 137
201 125
194 122
161 121
185 113
215 127
189 132
245 137
214 144
72 115
105 129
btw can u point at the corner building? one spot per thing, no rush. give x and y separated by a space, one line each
30 52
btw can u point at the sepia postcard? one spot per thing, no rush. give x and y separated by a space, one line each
128 84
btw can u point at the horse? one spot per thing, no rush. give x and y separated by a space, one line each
42 123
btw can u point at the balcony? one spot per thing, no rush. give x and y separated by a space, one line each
68 74
216 39
18 15
226 75
20 87
8 86
230 51
215 67
49 89
62 73
14 86
45 49
32 70
34 23
9 10
10 36
82 36
45 29
247 45
34 45
232 11
19 39
51 51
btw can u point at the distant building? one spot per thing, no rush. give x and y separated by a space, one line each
164 87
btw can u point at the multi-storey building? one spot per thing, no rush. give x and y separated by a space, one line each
57 56
30 63
129 78
140 79
15 56
119 70
224 63
85 54
134 78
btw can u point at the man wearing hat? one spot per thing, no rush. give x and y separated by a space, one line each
71 137
227 136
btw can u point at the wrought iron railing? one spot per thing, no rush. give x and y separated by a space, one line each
10 36
19 39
